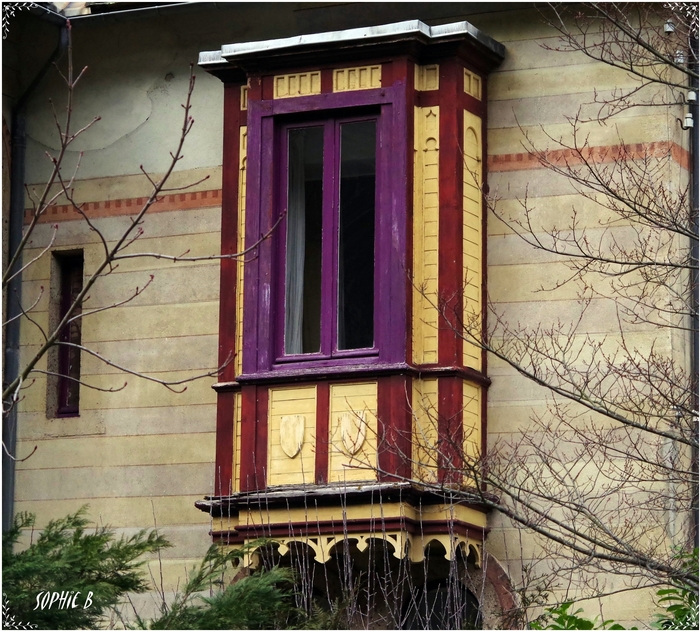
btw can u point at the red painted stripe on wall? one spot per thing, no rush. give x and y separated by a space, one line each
598 155
500 162
130 206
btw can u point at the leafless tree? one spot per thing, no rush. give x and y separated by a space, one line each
59 187
607 475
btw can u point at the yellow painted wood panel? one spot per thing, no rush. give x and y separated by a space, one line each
425 432
471 419
472 84
343 512
244 97
352 404
425 234
427 77
472 236
241 246
285 402
297 85
237 417
359 78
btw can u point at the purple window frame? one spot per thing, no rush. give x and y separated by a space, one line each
330 252
263 321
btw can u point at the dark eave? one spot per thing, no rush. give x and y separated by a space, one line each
290 496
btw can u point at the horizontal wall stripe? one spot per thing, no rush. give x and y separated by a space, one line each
501 162
600 154
131 206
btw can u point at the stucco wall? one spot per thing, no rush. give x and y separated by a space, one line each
141 456
531 94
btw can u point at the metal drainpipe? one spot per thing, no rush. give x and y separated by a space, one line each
14 287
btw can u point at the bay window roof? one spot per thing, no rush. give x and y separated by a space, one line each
246 54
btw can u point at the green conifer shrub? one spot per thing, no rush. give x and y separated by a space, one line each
65 557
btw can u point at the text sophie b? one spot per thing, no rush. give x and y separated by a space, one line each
65 600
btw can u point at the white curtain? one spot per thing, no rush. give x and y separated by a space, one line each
296 247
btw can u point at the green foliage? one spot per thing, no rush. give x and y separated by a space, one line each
259 601
680 605
680 602
559 618
67 557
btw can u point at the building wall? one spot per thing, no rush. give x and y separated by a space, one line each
141 456
530 94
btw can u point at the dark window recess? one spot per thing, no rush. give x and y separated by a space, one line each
302 331
330 241
71 284
356 251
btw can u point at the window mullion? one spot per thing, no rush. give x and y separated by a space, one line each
329 270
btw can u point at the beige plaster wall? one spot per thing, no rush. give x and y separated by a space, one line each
530 94
140 457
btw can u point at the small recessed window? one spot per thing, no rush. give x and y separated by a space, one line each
64 362
330 198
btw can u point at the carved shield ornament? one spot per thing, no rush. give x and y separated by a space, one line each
292 434
353 430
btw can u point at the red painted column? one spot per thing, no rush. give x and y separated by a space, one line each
223 474
227 292
450 269
322 432
254 404
484 263
450 220
450 430
394 424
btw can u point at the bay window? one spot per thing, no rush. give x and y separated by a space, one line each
329 287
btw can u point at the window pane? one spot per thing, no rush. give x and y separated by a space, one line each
356 246
71 271
302 328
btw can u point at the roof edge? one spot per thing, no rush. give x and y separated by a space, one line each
230 54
